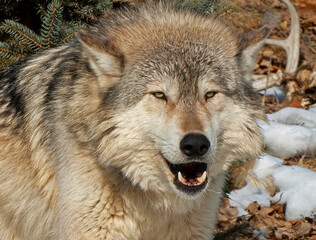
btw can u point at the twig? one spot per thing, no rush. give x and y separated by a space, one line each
300 162
268 75
292 48
292 43
259 82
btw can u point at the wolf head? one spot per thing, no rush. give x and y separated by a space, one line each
174 106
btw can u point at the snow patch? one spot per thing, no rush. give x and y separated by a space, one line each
241 198
294 116
297 188
289 132
313 109
286 141
276 92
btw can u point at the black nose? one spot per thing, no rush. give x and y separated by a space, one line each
194 145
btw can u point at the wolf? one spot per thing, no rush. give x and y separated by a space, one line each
126 131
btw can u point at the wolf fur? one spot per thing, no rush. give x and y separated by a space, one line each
84 143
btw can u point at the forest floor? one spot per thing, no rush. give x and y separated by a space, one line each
269 222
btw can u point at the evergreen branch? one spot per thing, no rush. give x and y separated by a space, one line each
21 33
51 23
103 5
8 51
56 28
208 6
234 232
65 38
11 52
226 12
85 11
67 31
51 27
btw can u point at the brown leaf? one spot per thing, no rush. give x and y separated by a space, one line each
265 63
231 211
302 228
295 103
310 20
271 190
267 53
222 218
265 211
284 25
266 222
279 216
253 208
307 8
286 232
303 75
288 224
227 213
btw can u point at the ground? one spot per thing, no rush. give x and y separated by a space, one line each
269 222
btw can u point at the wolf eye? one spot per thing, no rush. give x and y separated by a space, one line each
159 95
210 94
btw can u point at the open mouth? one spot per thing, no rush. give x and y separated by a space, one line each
189 177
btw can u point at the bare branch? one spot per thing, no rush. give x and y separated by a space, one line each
292 43
292 48
259 82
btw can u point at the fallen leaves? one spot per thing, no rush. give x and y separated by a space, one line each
264 222
268 220
293 231
269 62
307 8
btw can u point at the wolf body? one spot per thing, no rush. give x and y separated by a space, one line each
125 132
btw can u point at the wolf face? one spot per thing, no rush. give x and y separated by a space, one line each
182 105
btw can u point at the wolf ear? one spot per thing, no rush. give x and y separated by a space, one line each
105 59
249 46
